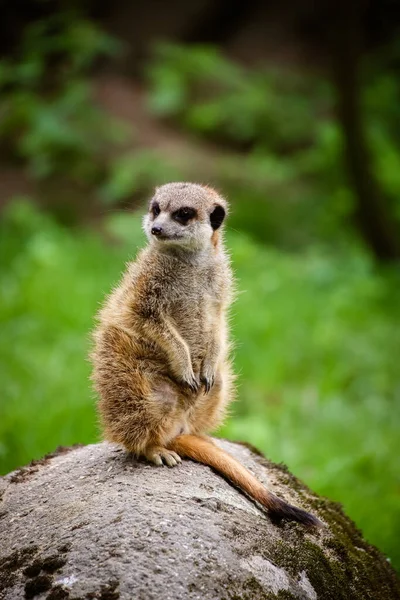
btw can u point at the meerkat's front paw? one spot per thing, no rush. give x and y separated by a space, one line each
161 456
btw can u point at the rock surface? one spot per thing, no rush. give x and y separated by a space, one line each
93 523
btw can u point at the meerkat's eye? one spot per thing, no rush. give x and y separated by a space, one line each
155 209
183 215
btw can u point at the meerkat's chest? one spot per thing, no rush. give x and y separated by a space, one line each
197 305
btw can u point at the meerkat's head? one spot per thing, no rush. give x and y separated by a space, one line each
185 215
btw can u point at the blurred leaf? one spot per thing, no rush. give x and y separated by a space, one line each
47 115
133 172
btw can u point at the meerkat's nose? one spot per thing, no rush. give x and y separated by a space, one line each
156 230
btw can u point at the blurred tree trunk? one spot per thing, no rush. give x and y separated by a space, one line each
372 211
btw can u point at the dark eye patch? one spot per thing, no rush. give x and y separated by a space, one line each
183 215
217 216
155 209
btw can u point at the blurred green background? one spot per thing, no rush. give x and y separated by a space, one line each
100 103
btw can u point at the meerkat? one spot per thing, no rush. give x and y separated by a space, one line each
161 356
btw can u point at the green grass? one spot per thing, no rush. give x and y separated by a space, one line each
317 347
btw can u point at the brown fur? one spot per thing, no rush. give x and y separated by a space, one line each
161 356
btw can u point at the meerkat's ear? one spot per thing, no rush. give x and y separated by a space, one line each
217 216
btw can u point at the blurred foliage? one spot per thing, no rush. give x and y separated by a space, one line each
137 170
214 96
47 115
283 122
49 119
381 103
316 338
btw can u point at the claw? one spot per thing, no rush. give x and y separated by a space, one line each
193 385
162 456
208 384
170 458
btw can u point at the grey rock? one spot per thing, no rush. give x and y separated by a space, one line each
93 523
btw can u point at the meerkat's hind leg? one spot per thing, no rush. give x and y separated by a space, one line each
163 401
162 456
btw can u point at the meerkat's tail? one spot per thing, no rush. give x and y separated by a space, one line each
204 451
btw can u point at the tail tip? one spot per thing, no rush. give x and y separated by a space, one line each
282 510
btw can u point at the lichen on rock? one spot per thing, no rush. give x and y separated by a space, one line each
94 523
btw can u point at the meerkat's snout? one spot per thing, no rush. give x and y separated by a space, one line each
156 230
